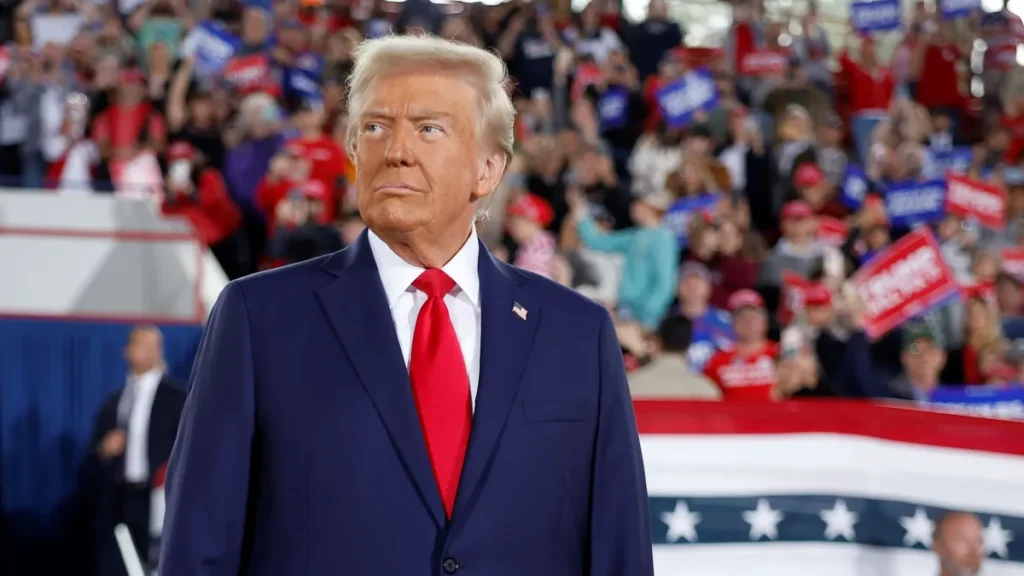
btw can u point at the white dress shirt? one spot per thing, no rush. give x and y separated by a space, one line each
463 301
133 411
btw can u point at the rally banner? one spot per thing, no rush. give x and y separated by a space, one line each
212 46
975 199
958 160
1003 402
299 82
908 278
248 73
878 16
832 231
763 63
613 108
805 488
855 186
677 217
911 203
1013 262
953 9
681 99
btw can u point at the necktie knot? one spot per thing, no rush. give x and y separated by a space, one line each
434 283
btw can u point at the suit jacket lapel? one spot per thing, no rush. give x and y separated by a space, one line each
506 337
359 314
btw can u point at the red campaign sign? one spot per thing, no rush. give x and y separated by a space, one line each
832 231
1013 262
970 198
792 292
248 73
906 279
763 62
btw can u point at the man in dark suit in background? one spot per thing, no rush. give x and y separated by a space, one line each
410 406
134 434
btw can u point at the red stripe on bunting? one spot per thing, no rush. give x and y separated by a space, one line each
875 420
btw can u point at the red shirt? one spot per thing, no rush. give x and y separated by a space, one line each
870 88
327 165
1015 124
743 43
744 378
940 82
211 210
122 126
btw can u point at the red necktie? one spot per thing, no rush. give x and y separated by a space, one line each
440 385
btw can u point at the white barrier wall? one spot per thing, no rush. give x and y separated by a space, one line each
813 502
103 257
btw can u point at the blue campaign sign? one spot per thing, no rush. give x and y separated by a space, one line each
681 99
952 9
677 217
912 203
855 186
878 16
613 108
1005 402
958 160
303 79
213 47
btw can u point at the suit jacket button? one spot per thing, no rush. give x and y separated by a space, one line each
450 566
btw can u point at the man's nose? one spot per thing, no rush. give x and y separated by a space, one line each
399 151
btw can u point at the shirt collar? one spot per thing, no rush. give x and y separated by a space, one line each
397 275
147 379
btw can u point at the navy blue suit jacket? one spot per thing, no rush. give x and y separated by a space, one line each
300 450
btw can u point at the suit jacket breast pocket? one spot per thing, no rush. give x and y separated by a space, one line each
556 409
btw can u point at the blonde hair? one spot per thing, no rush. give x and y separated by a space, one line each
391 54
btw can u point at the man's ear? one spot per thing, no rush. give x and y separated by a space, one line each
491 170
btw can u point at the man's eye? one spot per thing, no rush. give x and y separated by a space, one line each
371 127
431 129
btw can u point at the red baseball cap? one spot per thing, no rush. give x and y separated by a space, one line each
533 208
808 175
180 150
795 209
745 299
314 190
133 76
817 294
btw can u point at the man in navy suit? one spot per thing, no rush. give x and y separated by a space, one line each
410 405
132 440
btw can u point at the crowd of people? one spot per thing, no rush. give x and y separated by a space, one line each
720 201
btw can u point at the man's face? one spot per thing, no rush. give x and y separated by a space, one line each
143 350
750 324
1008 294
923 360
960 546
796 229
418 153
694 289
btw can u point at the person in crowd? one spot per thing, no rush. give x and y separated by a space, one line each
959 543
711 328
325 160
132 438
798 250
129 127
746 371
527 220
651 252
669 373
196 190
303 228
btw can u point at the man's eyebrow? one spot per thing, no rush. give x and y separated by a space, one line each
415 116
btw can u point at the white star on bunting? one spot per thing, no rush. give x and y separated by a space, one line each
997 538
763 520
839 521
919 528
681 523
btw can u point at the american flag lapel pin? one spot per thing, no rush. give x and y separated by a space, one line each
519 310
